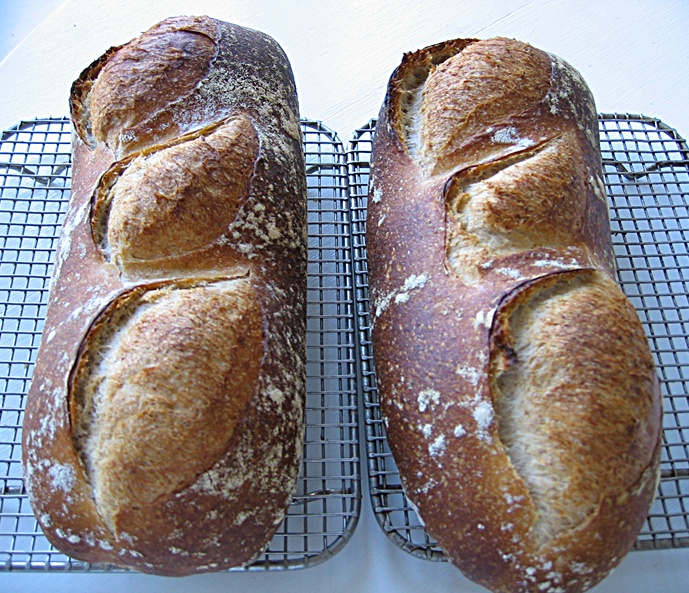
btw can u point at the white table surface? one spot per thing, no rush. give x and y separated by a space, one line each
633 53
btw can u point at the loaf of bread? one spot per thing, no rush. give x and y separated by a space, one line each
164 423
516 383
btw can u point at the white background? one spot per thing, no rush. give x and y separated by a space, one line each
633 53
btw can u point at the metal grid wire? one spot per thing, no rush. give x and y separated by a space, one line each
646 166
35 169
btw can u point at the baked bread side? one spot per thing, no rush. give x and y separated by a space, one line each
164 424
519 393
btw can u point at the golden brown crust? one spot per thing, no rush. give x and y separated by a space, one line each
192 338
150 208
475 89
137 83
162 381
527 432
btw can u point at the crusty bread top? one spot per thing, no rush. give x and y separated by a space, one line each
148 91
174 62
524 203
520 396
219 266
474 90
496 118
467 101
163 379
572 381
151 219
168 62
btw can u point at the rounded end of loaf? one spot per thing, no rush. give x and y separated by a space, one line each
175 78
404 97
483 86
578 412
535 471
468 100
132 86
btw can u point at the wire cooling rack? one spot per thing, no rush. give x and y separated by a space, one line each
35 168
646 167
